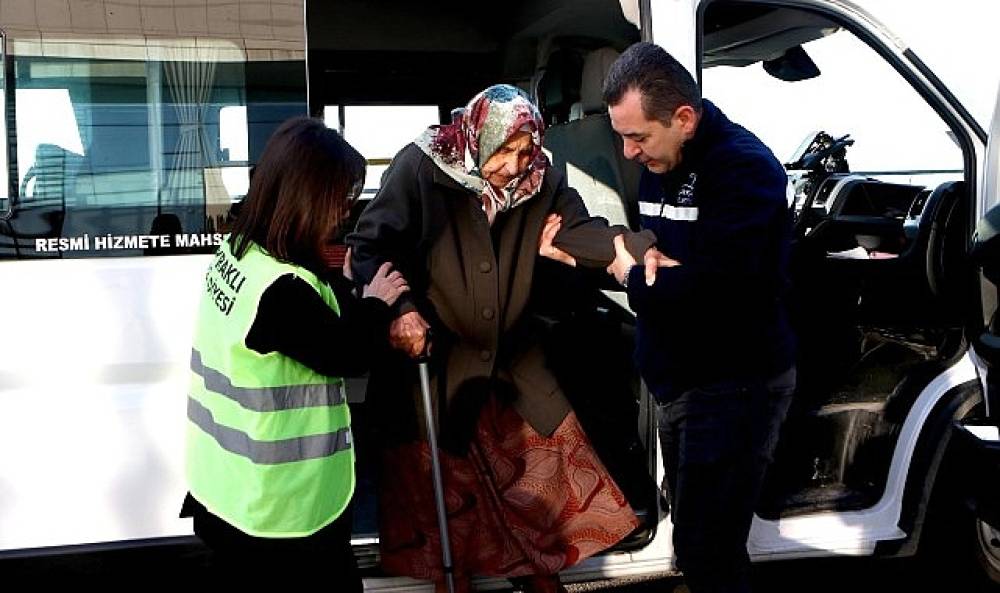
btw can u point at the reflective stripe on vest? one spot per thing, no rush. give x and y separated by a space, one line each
268 399
265 452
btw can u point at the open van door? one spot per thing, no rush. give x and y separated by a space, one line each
978 438
984 330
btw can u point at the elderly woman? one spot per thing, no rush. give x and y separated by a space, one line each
463 213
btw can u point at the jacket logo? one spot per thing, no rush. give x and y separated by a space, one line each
685 195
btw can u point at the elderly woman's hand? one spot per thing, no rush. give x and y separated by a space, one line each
545 247
408 333
386 285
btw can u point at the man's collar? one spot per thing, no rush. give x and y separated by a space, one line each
707 121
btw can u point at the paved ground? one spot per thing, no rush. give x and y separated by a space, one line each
840 575
189 564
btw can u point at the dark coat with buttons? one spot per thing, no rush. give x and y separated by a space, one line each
472 283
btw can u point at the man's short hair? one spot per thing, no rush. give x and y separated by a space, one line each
662 81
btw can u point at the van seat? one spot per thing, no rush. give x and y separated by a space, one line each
589 151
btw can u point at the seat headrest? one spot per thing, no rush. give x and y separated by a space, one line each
595 68
557 88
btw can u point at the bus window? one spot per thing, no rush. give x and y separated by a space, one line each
4 180
125 154
234 151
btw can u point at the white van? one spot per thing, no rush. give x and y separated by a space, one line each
130 130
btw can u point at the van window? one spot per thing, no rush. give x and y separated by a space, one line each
123 157
378 132
907 143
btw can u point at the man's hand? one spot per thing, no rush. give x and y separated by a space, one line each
545 248
623 261
408 333
652 260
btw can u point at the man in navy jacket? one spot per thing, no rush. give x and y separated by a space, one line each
714 343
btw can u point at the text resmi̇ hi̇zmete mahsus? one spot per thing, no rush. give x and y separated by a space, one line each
103 242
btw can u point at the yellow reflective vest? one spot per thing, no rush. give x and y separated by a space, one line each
269 444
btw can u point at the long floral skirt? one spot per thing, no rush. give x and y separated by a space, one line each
518 503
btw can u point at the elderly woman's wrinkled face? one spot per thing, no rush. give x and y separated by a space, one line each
509 161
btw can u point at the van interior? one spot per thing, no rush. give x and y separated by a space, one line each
877 264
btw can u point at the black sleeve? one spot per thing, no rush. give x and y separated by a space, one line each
293 319
589 239
391 227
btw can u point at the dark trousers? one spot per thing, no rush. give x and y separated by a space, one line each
717 443
239 558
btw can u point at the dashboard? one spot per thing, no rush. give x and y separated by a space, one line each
854 216
845 211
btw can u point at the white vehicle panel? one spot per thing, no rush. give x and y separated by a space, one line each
94 369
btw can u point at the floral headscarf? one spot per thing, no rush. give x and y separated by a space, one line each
461 148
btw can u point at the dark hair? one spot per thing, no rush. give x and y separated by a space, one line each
300 190
663 83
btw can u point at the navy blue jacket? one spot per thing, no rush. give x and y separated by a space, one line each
721 315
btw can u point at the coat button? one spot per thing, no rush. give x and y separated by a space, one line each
485 355
485 267
488 313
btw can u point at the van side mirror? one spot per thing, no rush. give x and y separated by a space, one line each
792 66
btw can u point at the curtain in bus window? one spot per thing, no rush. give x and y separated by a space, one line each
190 83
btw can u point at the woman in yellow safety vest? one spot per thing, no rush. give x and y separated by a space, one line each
270 454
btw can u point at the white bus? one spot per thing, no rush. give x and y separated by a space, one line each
130 128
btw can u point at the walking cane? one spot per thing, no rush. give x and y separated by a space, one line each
442 517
